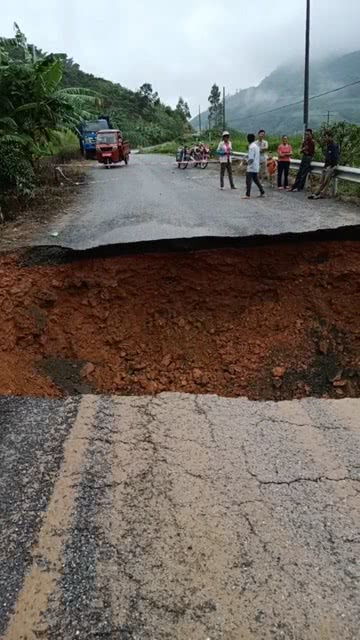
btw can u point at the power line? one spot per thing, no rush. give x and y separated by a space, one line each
292 104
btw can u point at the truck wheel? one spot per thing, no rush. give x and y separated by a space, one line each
88 155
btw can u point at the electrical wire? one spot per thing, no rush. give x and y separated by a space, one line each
292 104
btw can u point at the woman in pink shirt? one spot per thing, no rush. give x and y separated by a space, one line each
284 155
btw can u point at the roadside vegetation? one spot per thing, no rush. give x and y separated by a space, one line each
346 135
43 99
38 115
140 115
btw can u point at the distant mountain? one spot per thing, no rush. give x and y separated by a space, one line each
285 85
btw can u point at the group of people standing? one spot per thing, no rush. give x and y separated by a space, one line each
261 165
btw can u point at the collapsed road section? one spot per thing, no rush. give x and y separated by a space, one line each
277 320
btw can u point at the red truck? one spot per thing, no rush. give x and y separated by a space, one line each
111 148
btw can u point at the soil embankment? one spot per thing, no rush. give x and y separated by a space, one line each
268 322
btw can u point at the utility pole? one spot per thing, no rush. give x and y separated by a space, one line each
307 66
328 116
223 110
199 119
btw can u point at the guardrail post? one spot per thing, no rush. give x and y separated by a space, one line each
334 188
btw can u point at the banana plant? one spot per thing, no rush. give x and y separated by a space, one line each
33 105
31 94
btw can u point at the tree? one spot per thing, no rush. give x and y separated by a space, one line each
182 108
33 105
41 94
32 99
146 99
215 109
146 91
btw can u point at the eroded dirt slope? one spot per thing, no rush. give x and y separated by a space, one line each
271 322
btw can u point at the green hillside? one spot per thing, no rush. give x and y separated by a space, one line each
43 99
244 110
141 115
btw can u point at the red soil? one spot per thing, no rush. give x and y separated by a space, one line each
271 322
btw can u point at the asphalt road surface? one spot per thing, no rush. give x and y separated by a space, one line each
152 199
180 518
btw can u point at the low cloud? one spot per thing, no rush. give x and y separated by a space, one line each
183 50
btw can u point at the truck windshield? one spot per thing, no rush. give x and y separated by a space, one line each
106 138
96 125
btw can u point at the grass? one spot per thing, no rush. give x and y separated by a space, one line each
169 148
64 146
240 143
349 192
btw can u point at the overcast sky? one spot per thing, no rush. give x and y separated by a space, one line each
183 47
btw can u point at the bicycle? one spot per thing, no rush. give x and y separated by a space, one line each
183 157
202 158
195 157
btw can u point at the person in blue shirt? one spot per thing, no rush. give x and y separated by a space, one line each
332 156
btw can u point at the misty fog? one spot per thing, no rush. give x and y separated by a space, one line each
182 50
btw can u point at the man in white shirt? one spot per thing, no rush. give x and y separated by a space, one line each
264 147
253 166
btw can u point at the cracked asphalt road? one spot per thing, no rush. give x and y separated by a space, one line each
153 200
179 517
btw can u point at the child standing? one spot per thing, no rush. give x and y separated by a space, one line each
271 166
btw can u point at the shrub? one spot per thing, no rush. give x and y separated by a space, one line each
16 169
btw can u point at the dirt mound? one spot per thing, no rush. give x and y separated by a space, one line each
271 322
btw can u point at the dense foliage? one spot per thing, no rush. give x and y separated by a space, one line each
44 97
347 136
34 108
141 116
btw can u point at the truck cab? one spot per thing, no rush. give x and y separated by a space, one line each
88 131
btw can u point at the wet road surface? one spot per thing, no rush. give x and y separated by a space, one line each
179 517
152 199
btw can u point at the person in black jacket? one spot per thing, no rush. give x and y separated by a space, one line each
332 156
